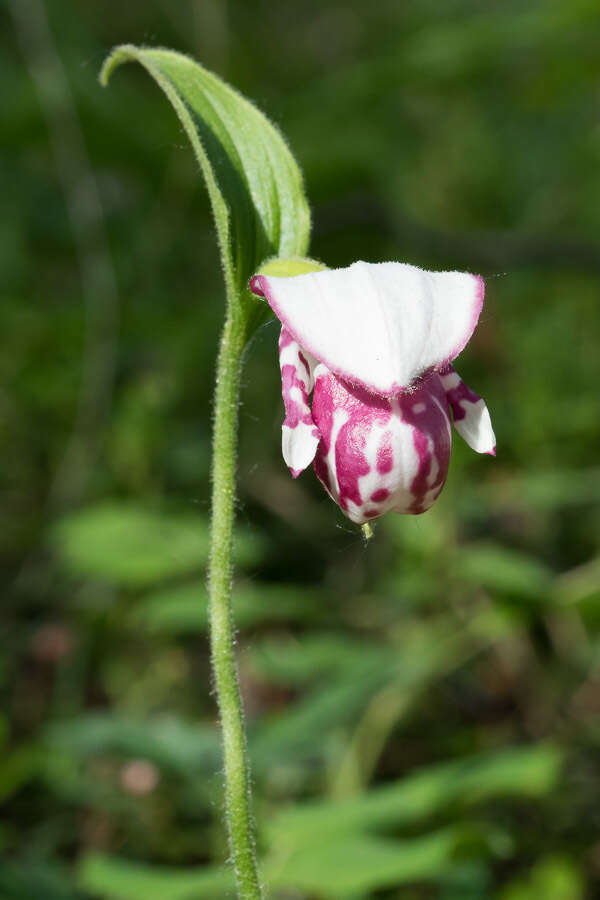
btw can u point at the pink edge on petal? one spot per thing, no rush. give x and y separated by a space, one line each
256 285
491 452
476 312
296 472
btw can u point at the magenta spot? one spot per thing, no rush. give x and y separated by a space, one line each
492 452
457 394
385 454
350 463
296 411
294 389
322 469
380 495
304 362
431 441
371 513
420 483
325 400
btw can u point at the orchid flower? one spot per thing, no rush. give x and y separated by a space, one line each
375 343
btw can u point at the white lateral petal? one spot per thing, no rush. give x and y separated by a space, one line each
379 325
471 416
298 446
299 435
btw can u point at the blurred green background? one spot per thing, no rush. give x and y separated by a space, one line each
422 712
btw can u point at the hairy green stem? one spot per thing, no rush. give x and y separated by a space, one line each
237 773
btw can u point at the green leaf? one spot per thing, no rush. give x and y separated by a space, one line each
505 571
171 743
36 878
104 876
254 184
553 878
300 729
132 546
183 609
546 491
19 767
331 868
317 657
357 863
525 771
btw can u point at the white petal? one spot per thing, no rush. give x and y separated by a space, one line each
299 435
298 446
379 325
471 415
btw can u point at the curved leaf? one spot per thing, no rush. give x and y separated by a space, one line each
134 546
254 184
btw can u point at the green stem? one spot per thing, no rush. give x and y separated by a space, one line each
237 774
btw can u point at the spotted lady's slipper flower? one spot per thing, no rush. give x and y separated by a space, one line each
375 345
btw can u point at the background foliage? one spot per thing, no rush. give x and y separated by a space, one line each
423 712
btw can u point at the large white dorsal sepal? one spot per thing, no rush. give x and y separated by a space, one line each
379 325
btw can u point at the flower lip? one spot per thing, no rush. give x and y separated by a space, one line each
377 455
385 327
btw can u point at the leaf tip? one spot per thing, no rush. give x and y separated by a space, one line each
119 55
